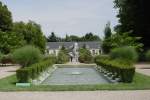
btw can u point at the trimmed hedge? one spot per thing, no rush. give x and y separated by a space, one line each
26 74
124 71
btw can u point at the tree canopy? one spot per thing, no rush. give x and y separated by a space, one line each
31 33
134 16
5 18
87 37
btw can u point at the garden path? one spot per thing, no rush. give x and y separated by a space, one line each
7 71
143 68
77 95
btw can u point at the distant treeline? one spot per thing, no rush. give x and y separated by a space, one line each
69 38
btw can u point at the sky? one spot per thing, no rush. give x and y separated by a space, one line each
73 17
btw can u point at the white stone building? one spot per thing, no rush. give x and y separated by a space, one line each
54 47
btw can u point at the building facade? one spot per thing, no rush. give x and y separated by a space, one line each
54 47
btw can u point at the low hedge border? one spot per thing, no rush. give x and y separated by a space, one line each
124 71
25 75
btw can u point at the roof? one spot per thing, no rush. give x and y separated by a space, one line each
57 45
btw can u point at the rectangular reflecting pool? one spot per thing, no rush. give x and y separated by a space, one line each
75 76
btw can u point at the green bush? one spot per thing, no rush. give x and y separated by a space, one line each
124 71
147 55
27 55
7 59
85 56
101 57
62 57
1 56
127 54
26 74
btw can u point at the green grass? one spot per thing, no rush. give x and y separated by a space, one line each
141 82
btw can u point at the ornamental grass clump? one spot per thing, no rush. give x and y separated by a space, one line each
27 55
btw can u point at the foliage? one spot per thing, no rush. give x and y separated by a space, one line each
106 46
5 18
9 41
103 57
52 38
87 37
124 71
134 16
7 59
85 56
148 55
63 56
1 56
27 55
119 40
24 75
125 54
31 33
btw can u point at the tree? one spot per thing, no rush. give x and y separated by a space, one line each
107 31
134 16
52 38
31 33
106 42
120 40
85 55
10 41
5 18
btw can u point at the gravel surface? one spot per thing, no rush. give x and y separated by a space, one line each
7 71
78 95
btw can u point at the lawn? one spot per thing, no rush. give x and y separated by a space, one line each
141 82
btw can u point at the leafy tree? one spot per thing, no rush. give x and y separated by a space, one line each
85 55
90 37
67 38
63 56
134 16
52 38
119 40
10 41
5 18
107 32
31 33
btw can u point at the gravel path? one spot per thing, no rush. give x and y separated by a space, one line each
78 95
143 68
7 71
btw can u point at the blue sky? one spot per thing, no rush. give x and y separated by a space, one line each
75 17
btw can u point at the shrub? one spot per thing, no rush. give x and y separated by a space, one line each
62 57
124 71
27 55
1 56
147 55
127 54
7 59
85 56
99 57
26 74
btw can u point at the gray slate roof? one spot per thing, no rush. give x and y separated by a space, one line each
56 45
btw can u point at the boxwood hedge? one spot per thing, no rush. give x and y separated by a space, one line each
124 71
26 74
